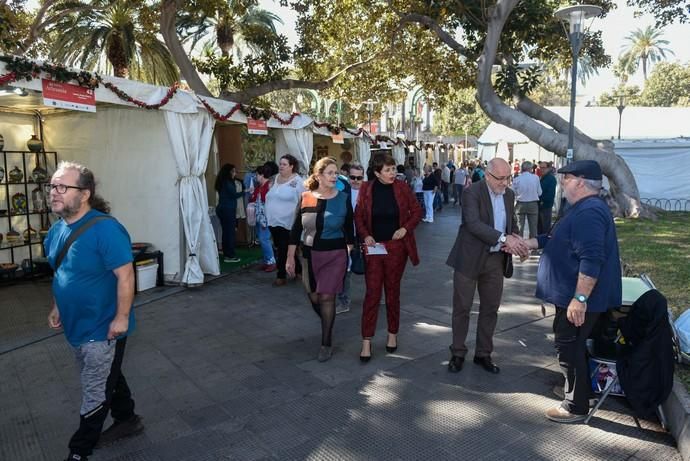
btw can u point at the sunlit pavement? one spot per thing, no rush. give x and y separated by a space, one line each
229 371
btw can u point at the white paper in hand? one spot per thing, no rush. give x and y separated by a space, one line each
377 249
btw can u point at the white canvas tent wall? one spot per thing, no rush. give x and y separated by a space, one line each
660 168
655 144
130 152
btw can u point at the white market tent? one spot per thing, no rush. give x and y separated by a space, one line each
655 143
140 156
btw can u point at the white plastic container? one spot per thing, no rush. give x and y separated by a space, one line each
146 276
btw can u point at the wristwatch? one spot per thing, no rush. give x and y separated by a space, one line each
580 297
502 238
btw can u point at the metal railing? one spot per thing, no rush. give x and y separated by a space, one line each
668 204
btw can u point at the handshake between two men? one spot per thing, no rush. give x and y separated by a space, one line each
519 246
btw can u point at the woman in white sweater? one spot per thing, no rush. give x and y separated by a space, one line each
281 206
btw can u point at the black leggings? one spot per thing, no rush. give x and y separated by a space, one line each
281 240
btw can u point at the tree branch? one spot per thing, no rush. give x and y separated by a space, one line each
177 51
433 25
248 94
622 182
535 111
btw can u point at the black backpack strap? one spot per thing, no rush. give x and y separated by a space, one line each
75 235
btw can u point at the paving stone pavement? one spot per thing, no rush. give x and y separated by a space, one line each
228 372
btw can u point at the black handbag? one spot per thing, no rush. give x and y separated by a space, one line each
357 260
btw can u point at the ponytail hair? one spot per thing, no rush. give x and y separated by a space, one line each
312 182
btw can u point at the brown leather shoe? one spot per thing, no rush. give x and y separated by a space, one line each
269 268
279 282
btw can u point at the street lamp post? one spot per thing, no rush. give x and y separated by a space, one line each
620 107
576 16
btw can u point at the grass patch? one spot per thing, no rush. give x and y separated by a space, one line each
247 255
661 249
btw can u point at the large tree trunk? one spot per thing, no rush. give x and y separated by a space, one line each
623 186
169 32
117 57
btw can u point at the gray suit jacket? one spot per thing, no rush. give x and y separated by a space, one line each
476 234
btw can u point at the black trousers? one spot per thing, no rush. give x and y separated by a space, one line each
228 224
571 347
281 240
118 400
544 222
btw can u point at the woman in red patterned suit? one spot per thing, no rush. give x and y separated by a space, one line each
387 212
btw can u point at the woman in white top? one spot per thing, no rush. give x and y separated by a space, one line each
282 200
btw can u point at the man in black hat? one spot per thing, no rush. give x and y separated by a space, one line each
579 272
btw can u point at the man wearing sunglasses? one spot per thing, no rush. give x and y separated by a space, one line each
93 291
480 261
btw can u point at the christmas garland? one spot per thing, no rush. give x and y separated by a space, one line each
24 69
248 111
125 97
395 142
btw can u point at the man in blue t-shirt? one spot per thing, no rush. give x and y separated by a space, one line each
580 273
93 291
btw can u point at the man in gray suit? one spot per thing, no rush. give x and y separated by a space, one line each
480 260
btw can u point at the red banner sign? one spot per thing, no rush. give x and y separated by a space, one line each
68 96
255 126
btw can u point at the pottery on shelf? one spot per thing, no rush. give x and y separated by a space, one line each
2 142
38 199
13 236
2 174
16 175
39 174
19 203
34 144
30 234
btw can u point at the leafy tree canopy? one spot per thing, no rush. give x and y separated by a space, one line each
630 93
668 85
460 114
334 34
665 11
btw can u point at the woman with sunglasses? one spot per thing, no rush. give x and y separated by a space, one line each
387 212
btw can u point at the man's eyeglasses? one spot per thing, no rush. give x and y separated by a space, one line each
60 188
356 178
499 178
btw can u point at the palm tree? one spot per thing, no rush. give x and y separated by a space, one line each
237 24
113 38
644 46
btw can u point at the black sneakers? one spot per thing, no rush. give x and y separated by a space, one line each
120 430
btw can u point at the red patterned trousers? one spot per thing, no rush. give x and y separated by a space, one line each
383 272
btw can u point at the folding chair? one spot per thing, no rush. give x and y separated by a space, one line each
636 289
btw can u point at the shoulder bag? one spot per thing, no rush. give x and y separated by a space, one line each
75 235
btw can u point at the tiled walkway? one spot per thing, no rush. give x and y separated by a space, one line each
228 371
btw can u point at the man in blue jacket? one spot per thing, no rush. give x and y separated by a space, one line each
579 272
